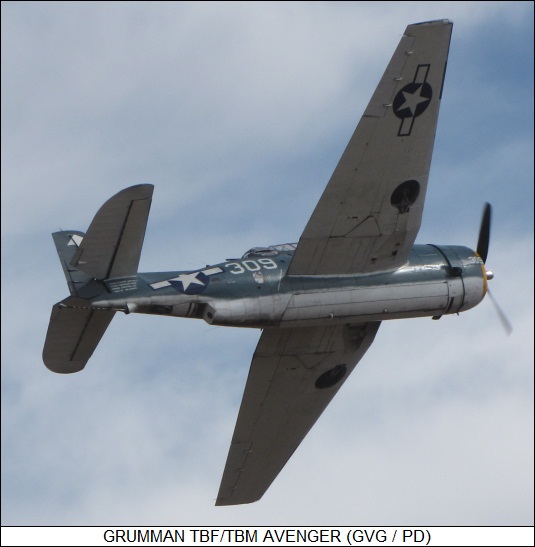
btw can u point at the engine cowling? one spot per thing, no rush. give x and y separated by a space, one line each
467 280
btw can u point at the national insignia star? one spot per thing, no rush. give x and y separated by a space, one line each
412 100
188 279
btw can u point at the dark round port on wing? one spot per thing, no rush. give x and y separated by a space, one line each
405 195
331 377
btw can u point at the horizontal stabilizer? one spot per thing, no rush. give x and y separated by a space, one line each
112 245
74 331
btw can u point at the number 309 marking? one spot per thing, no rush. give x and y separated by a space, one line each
251 265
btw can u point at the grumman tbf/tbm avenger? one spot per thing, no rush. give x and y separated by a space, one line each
319 301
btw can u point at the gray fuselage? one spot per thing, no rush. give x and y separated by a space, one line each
254 291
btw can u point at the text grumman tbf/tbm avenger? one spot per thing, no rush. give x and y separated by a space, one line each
320 301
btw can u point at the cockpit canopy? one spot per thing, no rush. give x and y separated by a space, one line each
272 250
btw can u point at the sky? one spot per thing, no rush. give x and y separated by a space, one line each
238 114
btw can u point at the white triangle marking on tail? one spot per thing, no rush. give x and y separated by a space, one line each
75 240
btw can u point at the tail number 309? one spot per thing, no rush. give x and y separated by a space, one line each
250 265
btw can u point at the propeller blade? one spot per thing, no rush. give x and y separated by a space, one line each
505 322
484 233
483 251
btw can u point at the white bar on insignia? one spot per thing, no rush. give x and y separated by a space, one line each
160 284
212 271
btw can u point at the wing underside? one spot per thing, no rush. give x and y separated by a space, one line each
370 212
294 374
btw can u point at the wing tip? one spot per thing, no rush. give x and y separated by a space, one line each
221 502
433 22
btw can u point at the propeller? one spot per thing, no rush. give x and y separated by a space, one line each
484 233
483 251
505 322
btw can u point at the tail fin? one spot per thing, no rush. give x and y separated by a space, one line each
110 248
67 243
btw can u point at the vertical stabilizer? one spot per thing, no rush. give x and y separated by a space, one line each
67 243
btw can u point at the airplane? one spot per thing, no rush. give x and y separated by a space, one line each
318 302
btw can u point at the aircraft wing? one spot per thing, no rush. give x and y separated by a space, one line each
294 374
370 212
